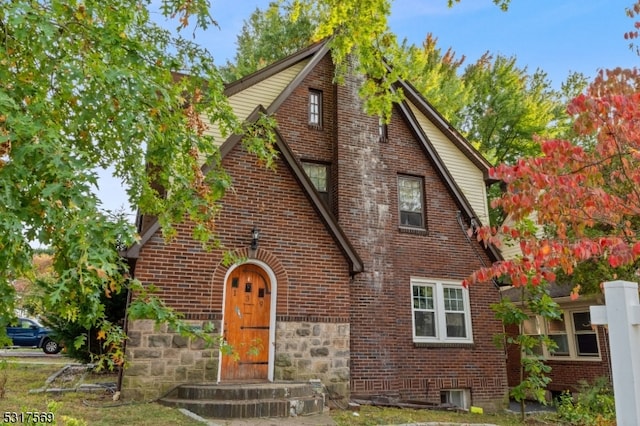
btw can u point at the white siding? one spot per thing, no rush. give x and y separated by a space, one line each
262 93
466 174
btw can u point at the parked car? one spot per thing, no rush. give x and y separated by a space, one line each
30 333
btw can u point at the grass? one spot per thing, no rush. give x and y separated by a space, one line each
88 408
99 408
370 415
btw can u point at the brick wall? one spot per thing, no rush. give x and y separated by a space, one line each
385 359
311 272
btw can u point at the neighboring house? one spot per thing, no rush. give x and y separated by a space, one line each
355 275
583 349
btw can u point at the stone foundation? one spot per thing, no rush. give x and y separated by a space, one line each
158 360
306 350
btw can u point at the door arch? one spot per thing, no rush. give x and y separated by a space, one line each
248 323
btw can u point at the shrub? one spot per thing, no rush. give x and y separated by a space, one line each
593 405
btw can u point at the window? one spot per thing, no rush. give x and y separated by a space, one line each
383 130
586 338
441 312
318 175
533 326
457 397
410 201
315 109
572 333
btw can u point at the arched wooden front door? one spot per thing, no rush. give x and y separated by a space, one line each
247 317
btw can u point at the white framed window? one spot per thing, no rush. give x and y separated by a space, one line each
315 108
440 311
572 333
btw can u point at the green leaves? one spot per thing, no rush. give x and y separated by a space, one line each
93 85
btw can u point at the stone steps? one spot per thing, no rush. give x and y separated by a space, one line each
235 401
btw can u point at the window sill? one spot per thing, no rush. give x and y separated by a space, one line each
315 126
575 359
469 345
410 230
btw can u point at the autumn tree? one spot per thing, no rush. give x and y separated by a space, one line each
585 195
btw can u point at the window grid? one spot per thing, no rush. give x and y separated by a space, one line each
572 333
315 108
410 201
317 174
441 312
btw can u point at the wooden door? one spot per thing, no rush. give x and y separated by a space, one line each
247 317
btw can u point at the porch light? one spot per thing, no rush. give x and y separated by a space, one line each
255 236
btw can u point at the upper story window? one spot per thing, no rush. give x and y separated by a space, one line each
319 175
383 130
410 201
315 109
572 333
441 312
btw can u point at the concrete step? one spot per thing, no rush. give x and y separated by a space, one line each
236 401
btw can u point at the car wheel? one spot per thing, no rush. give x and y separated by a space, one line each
50 347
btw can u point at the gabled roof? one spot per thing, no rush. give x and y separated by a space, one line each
314 54
294 165
355 263
412 94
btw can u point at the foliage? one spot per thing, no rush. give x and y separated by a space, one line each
533 371
268 36
87 86
586 195
508 107
436 75
593 405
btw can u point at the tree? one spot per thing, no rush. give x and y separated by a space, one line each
270 35
86 86
584 194
436 75
508 107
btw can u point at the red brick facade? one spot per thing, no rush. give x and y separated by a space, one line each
314 284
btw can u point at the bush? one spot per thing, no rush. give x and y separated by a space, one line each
593 405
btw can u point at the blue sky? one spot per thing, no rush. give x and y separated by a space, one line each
557 36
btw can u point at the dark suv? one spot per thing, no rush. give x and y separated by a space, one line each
29 332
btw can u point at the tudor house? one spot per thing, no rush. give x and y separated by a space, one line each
353 274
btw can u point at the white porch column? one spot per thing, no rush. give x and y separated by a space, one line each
622 314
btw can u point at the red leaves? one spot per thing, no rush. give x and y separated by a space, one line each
587 198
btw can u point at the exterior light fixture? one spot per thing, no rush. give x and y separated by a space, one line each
255 236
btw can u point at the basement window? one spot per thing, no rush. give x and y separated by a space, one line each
457 397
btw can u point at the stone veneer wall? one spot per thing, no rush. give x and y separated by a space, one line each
306 350
158 360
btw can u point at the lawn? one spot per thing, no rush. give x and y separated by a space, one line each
96 408
18 378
